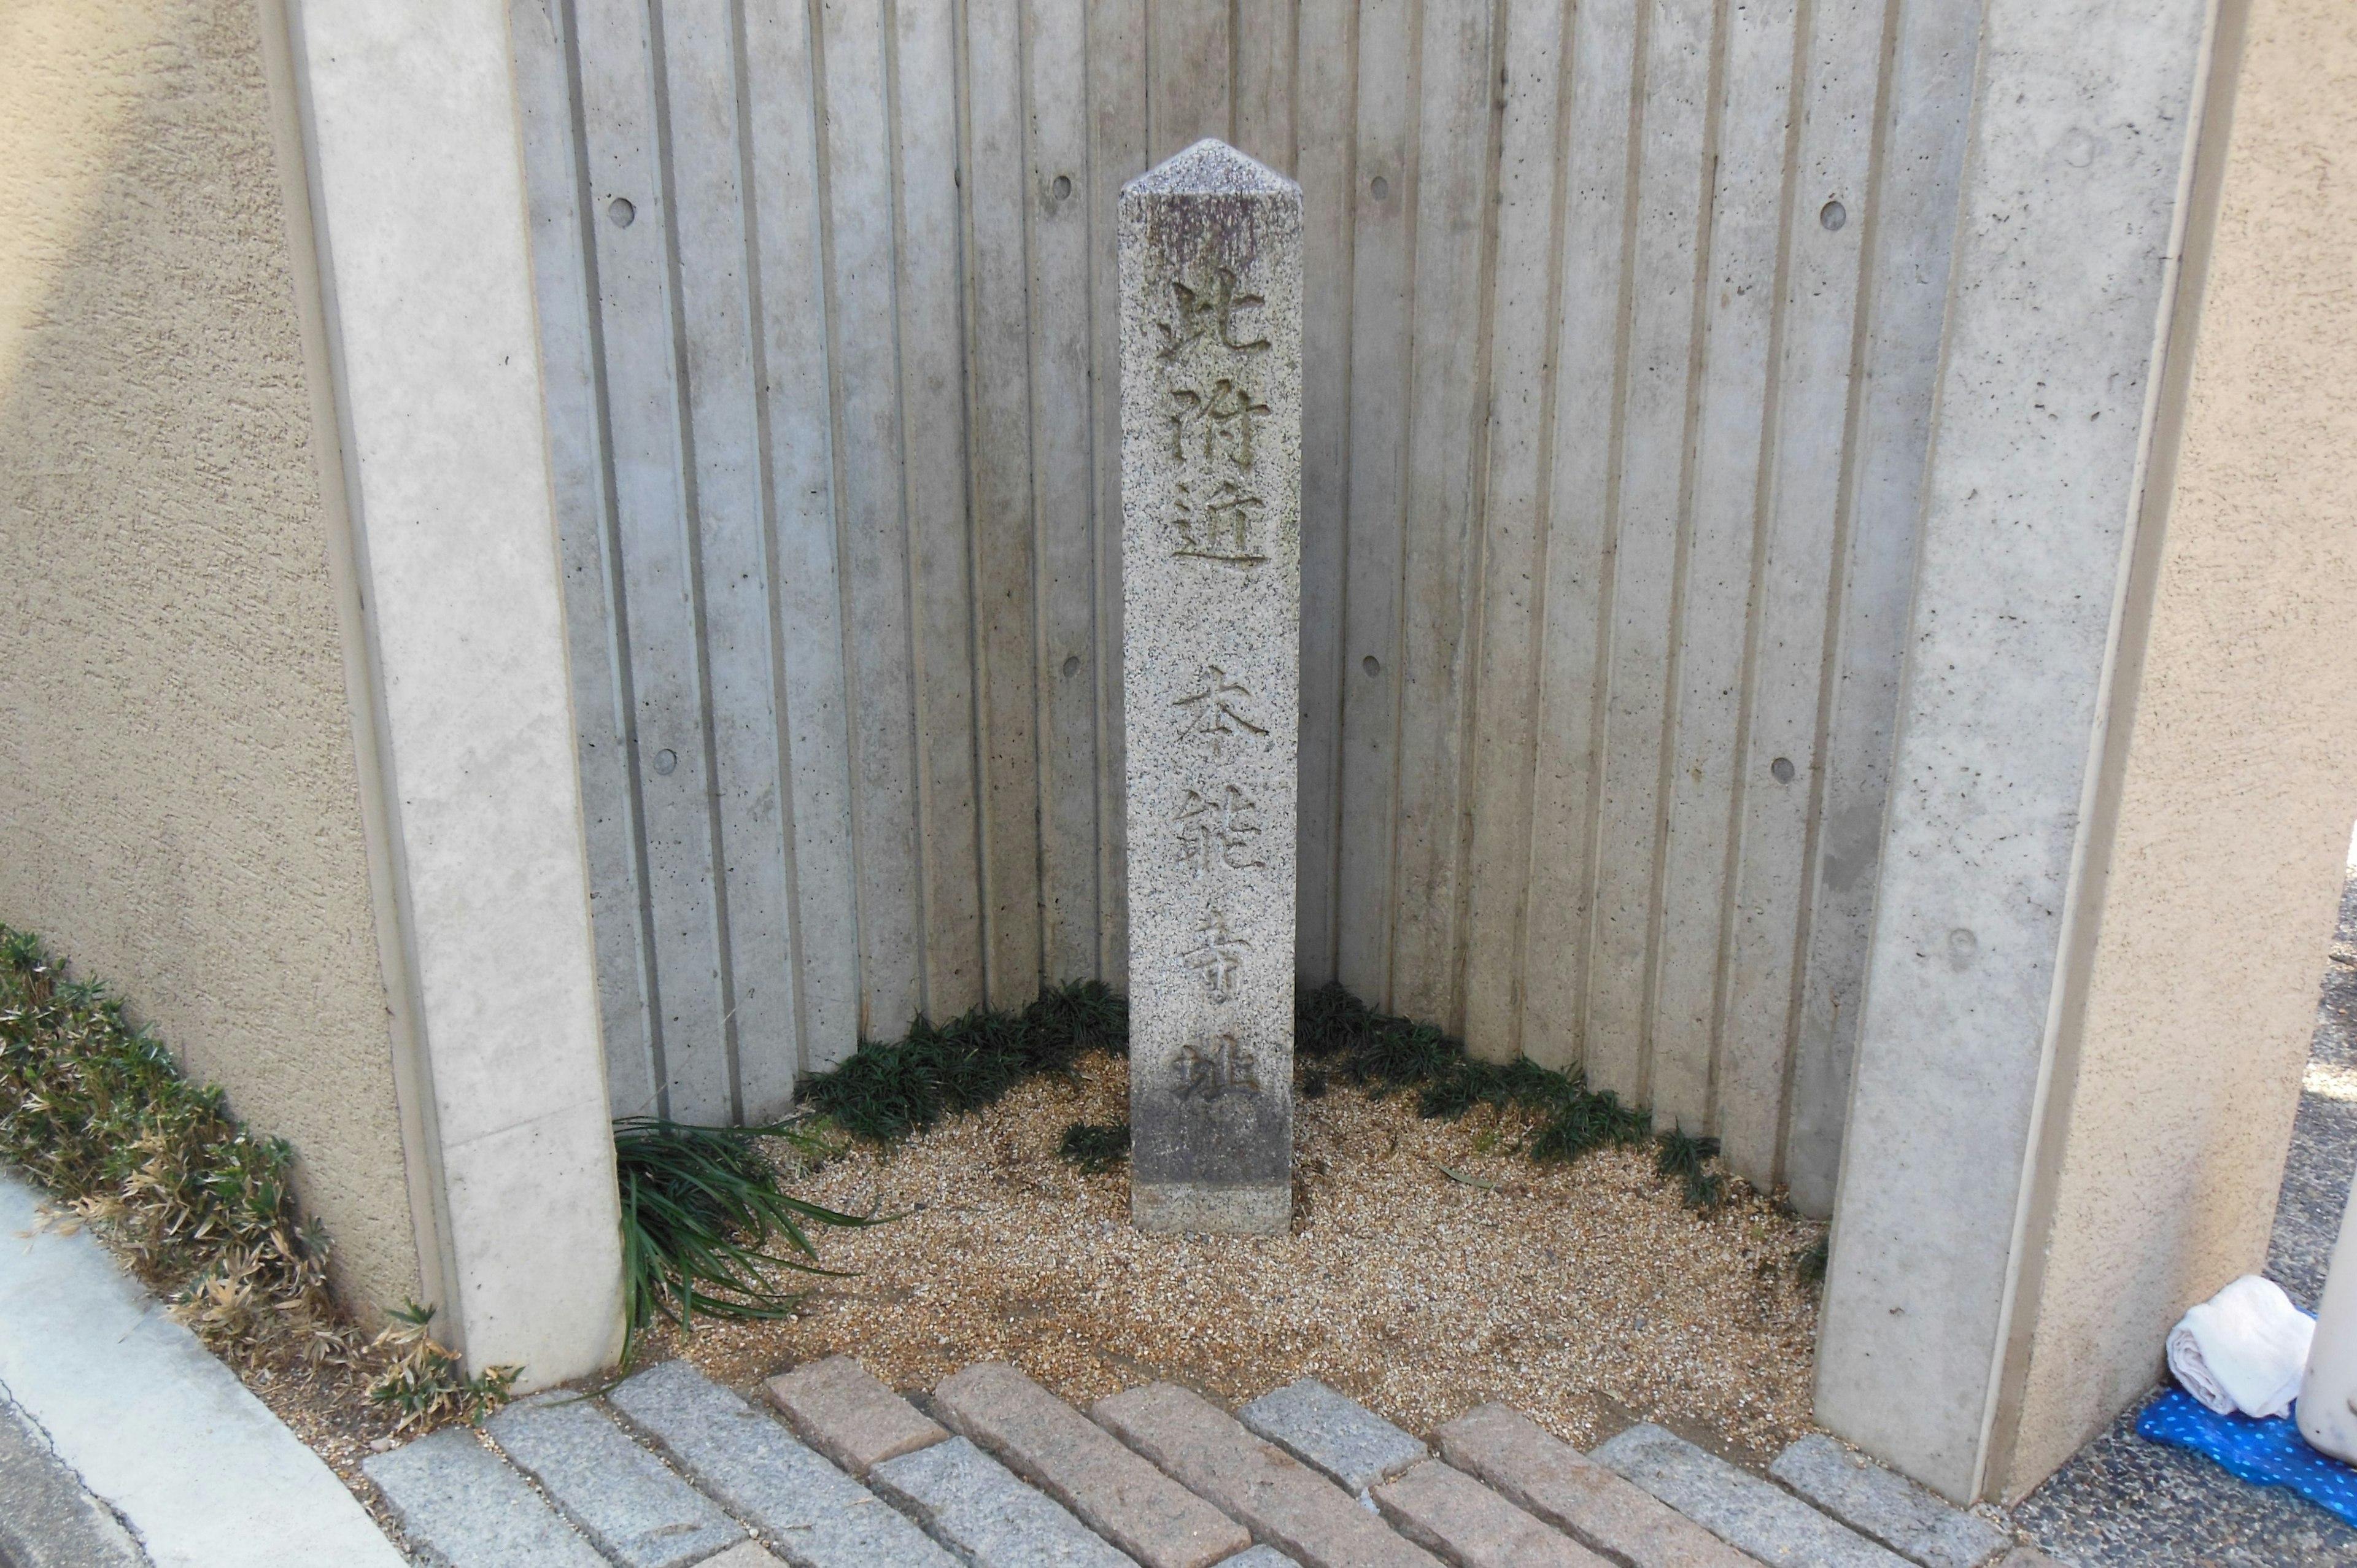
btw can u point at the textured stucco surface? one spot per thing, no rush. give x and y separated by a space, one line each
2239 778
179 809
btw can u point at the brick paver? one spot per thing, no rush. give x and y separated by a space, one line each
461 1505
844 1414
1472 1526
1278 1498
986 1513
1129 1501
811 1513
1758 1516
621 1497
1550 1478
1338 1435
1886 1506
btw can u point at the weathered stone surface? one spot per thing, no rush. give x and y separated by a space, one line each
980 1509
748 1555
1261 1557
1891 1509
844 1414
1741 1509
462 1509
1338 1435
2030 1557
1210 412
1472 1526
1282 1502
1549 1477
811 1513
1078 1463
621 1497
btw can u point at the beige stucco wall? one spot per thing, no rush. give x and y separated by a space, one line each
179 807
2231 797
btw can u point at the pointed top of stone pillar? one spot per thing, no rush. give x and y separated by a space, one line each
1211 168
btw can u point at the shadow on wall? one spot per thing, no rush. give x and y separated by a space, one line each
179 803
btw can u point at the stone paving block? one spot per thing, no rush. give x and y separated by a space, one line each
982 1511
838 1409
2030 1557
1889 1507
1338 1435
746 1554
1547 1476
1755 1516
463 1509
1082 1465
1465 1521
811 1513
621 1497
1281 1501
1259 1557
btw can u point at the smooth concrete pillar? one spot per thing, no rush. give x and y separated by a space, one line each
2125 774
2059 297
409 121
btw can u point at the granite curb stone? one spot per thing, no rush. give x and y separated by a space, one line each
1282 1502
1547 1476
622 1497
842 1411
1078 1463
980 1509
1463 1520
1330 1433
1756 1516
808 1512
461 1508
1887 1506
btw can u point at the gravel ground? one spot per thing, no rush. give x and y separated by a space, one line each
1429 1268
2122 1502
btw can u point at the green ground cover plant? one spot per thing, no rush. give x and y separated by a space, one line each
883 1093
95 1109
1095 1147
699 1208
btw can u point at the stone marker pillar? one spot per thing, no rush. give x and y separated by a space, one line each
1210 489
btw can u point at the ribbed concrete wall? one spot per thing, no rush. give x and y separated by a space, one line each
1621 331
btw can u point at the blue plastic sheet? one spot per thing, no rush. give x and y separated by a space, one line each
2265 1453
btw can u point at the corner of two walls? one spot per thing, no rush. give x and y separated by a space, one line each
2225 806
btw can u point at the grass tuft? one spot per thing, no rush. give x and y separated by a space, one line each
884 1092
1343 1036
1679 1155
1095 1147
424 1384
94 1109
699 1208
1810 1261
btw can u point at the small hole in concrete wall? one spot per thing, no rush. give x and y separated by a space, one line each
1381 189
1783 768
1372 665
620 211
1071 665
1063 186
666 759
1832 215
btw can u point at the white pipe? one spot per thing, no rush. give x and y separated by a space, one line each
2328 1394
